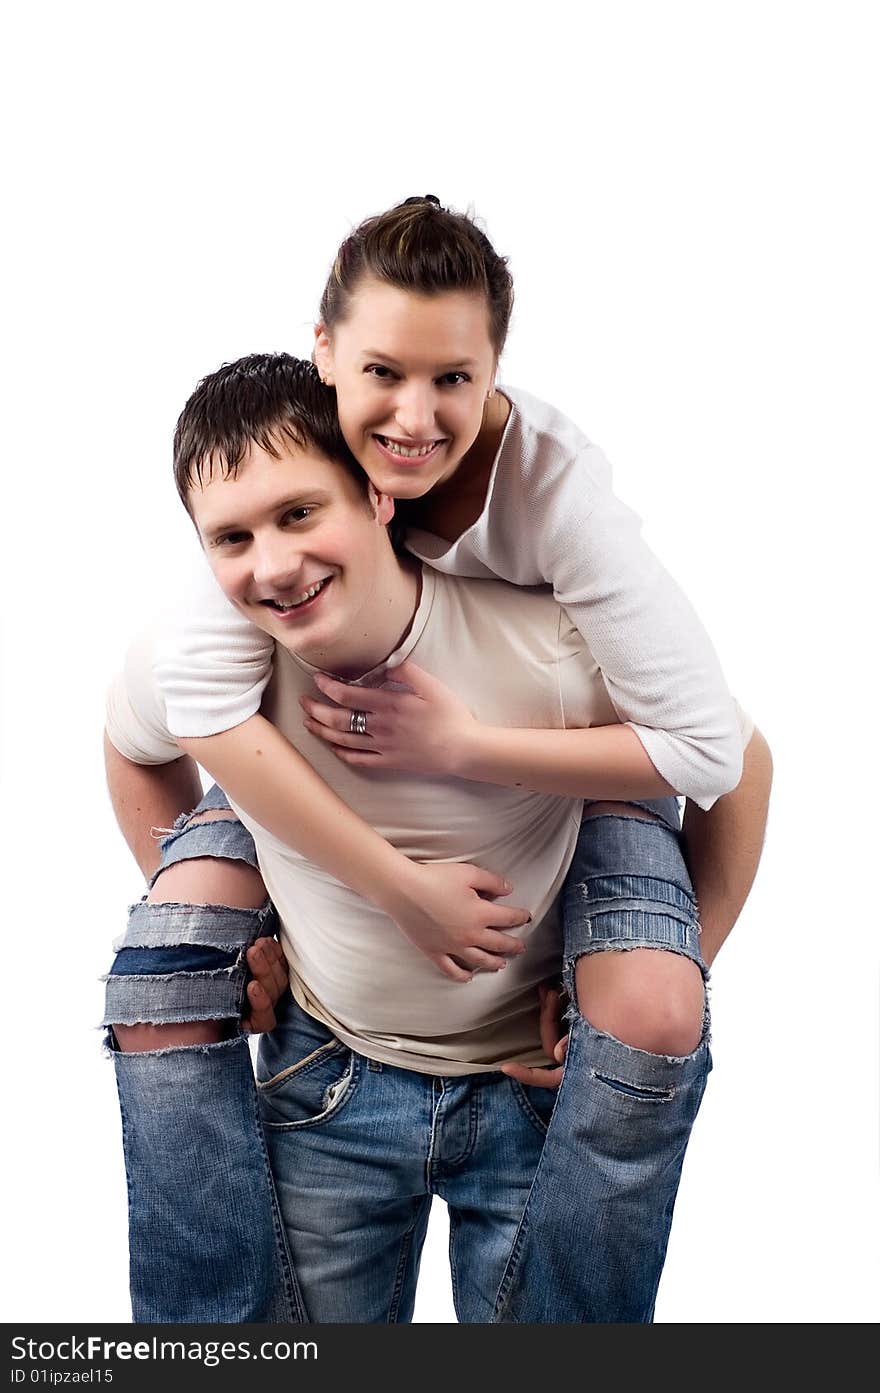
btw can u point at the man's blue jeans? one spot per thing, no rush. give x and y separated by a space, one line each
359 1149
591 1238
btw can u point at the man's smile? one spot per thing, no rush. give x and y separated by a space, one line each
298 604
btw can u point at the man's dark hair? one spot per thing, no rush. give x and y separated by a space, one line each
263 400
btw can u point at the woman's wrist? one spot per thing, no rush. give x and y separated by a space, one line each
400 890
466 755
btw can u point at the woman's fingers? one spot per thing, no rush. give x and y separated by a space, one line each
480 961
487 882
355 698
500 916
493 941
340 738
450 968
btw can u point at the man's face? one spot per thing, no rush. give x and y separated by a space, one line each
296 545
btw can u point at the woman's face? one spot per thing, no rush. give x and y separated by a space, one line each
412 374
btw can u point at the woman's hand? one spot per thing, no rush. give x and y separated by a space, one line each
422 731
447 910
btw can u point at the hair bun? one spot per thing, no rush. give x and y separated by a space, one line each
422 198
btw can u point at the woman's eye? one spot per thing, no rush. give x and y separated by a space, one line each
379 370
453 379
298 514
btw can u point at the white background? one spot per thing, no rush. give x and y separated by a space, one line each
687 193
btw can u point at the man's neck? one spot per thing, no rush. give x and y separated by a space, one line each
388 622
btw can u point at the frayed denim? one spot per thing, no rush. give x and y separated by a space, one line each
206 1239
592 1240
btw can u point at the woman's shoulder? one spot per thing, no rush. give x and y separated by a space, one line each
546 442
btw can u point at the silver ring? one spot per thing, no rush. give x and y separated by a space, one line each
357 723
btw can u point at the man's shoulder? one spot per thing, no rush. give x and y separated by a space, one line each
499 615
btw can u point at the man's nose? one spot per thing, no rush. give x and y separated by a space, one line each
414 411
277 562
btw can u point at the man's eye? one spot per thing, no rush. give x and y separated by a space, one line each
230 539
453 379
298 514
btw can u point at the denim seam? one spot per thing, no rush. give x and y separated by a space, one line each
474 1104
402 1258
454 1225
430 1162
291 1287
511 1269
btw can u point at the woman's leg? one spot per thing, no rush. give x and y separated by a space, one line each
592 1241
206 1239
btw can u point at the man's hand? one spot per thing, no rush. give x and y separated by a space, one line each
422 731
267 962
447 910
554 1042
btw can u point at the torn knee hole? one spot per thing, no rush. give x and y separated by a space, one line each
148 1036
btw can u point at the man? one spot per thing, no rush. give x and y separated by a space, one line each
376 1039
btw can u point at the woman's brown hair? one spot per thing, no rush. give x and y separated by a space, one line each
420 246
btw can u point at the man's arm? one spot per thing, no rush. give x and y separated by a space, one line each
723 846
145 796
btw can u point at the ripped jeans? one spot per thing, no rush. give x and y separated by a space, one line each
592 1239
206 1238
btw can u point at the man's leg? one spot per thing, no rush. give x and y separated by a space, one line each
206 1238
487 1139
592 1240
347 1138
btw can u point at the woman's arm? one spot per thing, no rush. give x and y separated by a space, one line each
723 846
657 661
440 907
429 730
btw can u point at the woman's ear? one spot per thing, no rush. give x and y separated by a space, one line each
322 355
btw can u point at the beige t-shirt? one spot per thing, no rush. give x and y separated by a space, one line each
516 659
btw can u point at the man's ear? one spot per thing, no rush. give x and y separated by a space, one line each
322 355
382 505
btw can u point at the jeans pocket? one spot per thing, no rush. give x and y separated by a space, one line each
536 1103
309 1091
